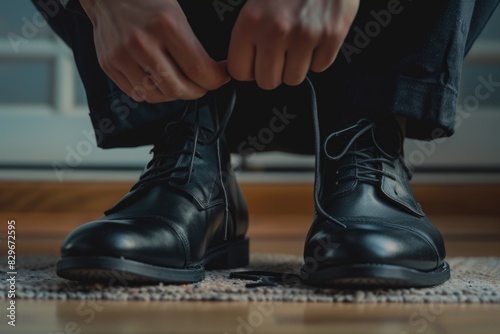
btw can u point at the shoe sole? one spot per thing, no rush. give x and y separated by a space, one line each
121 271
376 275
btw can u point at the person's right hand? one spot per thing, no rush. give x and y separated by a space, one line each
149 50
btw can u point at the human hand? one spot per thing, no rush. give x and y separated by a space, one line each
149 50
279 41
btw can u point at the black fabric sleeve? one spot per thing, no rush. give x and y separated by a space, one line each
73 5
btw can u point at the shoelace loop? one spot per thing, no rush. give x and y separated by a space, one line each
366 157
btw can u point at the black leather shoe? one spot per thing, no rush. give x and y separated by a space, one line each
185 214
368 228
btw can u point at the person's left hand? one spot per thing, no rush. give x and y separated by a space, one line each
279 41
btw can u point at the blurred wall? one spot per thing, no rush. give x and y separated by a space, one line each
45 131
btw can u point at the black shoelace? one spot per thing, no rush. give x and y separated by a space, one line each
157 172
264 278
367 158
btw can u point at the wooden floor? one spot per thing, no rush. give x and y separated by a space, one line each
221 318
469 230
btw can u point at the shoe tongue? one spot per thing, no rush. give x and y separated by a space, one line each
178 137
382 141
343 142
364 144
181 135
389 137
201 114
385 136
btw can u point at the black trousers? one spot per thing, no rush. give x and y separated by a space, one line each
401 57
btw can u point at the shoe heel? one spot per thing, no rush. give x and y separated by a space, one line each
236 255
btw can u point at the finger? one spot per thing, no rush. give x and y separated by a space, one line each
270 54
124 80
297 64
124 71
190 56
174 82
269 68
141 89
241 55
170 82
324 56
118 78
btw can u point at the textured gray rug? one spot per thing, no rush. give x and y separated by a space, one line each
474 280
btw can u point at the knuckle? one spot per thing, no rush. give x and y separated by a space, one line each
136 40
196 71
336 34
336 37
280 26
344 25
165 20
165 77
251 15
164 74
176 92
309 33
117 56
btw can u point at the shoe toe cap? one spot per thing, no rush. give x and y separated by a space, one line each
148 242
372 244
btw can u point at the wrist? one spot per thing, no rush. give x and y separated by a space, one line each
96 9
88 3
89 6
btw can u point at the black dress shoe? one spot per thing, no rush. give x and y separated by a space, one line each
185 214
368 228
